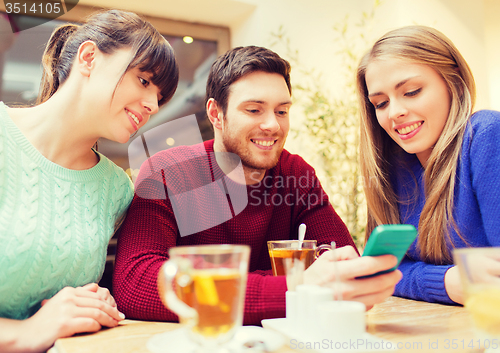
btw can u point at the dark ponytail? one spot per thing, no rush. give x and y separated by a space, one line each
110 31
50 76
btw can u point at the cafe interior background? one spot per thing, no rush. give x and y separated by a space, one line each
323 40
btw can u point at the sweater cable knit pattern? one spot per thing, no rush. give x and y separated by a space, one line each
55 223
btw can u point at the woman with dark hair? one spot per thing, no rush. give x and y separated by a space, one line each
427 159
60 199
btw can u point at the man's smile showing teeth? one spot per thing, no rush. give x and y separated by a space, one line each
264 143
408 129
134 118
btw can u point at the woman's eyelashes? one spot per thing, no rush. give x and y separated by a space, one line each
379 105
413 93
144 82
383 104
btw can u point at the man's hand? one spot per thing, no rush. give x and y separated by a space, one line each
368 291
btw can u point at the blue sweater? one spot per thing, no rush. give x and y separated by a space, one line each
476 210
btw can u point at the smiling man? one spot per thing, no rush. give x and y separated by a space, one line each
242 187
254 123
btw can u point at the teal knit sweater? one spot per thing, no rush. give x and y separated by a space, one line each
55 223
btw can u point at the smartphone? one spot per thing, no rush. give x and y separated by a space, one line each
393 239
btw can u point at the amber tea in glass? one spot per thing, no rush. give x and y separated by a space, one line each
205 286
306 251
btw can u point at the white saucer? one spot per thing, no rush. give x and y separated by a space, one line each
178 341
297 340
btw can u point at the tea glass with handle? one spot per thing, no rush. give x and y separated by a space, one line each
205 286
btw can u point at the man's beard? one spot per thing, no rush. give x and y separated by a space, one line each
239 147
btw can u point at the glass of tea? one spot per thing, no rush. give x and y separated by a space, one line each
205 286
480 276
305 251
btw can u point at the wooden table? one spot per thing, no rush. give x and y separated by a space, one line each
423 327
409 325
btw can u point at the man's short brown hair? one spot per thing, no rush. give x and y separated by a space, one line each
238 62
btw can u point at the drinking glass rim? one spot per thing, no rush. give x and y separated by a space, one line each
292 241
209 249
477 249
488 249
460 255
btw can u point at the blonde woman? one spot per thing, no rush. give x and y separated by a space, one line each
426 159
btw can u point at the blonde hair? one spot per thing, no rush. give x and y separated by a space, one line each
378 152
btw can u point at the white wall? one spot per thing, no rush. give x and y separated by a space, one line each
472 25
308 24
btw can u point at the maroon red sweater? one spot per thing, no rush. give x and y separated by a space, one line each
181 197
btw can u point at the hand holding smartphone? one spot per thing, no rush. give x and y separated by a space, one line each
393 239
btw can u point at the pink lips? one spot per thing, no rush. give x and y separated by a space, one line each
139 117
410 134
